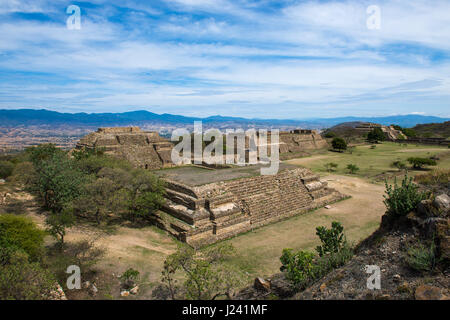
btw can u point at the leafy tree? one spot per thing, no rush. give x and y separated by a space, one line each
145 194
58 182
57 224
333 240
419 163
376 135
330 134
339 144
206 275
401 200
352 168
99 198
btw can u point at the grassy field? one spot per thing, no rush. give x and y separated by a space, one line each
373 162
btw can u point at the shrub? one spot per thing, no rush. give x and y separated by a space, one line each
421 258
400 200
418 163
435 177
6 169
303 267
129 278
331 166
298 266
339 144
332 239
330 134
399 165
21 233
21 279
352 168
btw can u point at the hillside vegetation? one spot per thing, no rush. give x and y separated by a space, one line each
433 130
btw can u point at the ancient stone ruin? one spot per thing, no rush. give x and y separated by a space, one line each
205 205
143 149
222 203
390 132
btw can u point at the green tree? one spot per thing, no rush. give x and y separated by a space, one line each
100 198
145 194
207 276
376 135
58 182
419 163
339 144
57 223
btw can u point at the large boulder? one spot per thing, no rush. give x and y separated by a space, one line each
442 203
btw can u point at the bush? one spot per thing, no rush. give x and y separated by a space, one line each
21 233
401 200
435 177
339 144
331 166
330 134
129 278
421 258
418 163
303 267
352 168
6 169
298 266
332 239
21 279
399 165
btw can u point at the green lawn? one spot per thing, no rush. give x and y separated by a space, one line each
373 162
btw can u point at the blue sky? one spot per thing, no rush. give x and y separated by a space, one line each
249 58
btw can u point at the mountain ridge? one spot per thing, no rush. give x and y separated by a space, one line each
28 117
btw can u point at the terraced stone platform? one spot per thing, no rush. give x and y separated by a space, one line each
208 205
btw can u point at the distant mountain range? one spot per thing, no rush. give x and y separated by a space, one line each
32 117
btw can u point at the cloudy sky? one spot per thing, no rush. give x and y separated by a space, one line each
249 58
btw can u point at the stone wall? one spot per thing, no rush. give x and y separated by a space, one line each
217 211
143 149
